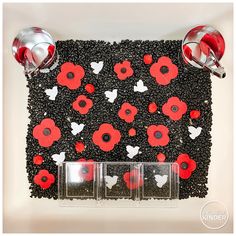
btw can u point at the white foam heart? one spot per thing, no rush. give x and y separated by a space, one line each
161 180
59 158
110 181
132 151
111 95
52 93
76 129
194 132
97 67
140 87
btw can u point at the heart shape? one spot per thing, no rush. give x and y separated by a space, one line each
111 95
194 132
76 129
140 87
132 151
97 67
59 158
161 180
52 93
110 181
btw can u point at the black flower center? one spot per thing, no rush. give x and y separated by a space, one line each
184 165
82 103
70 75
158 134
44 178
123 70
46 131
127 111
85 170
164 69
174 108
106 137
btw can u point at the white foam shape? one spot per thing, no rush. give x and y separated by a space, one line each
97 67
132 151
59 158
111 95
194 132
76 128
140 87
52 93
110 181
161 180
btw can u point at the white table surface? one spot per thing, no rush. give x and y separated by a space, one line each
112 22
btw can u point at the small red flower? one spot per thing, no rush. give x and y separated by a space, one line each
106 137
133 179
127 112
79 146
195 114
152 107
90 88
174 108
132 132
86 171
70 75
147 59
123 70
186 166
158 135
44 179
46 132
164 70
161 157
38 160
82 104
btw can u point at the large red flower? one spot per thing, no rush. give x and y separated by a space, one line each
44 179
164 70
123 70
86 172
70 75
158 135
133 179
46 132
82 104
106 137
127 112
174 108
186 166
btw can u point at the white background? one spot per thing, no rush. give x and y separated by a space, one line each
112 22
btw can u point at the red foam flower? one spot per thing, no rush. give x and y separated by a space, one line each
132 132
46 132
86 171
158 135
164 70
127 112
38 160
133 179
90 88
79 146
152 107
70 75
174 108
161 157
106 137
44 179
82 104
123 70
195 114
186 166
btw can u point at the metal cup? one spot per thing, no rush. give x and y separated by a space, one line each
34 49
203 47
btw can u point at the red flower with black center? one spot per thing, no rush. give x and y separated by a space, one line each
164 70
82 104
158 135
38 160
123 70
44 179
186 166
174 108
133 179
46 132
70 75
86 172
127 112
106 137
